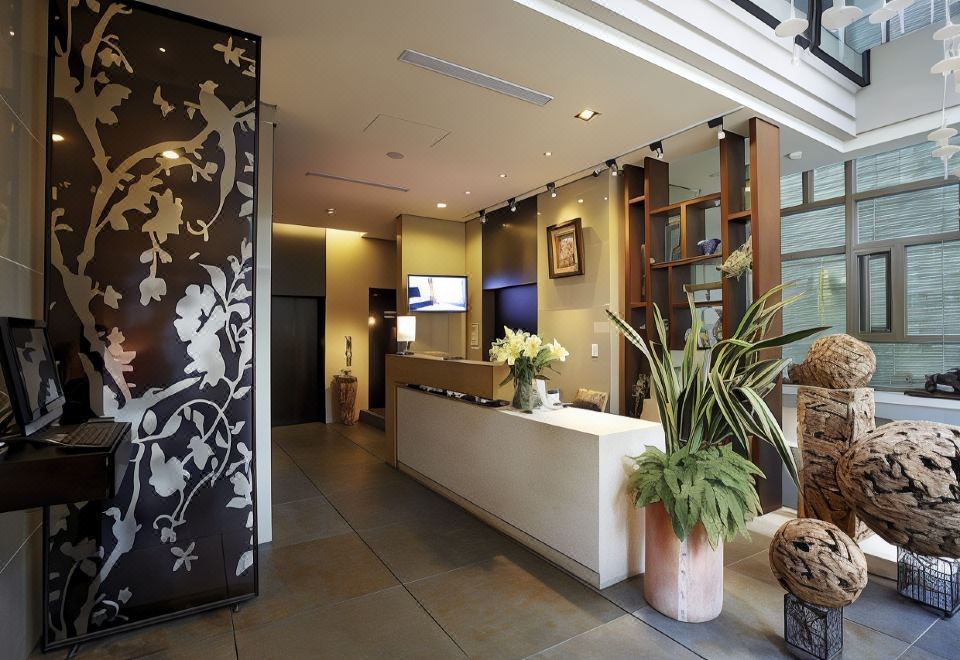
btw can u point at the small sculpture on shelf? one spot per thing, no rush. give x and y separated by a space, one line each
641 390
348 340
739 261
709 246
948 379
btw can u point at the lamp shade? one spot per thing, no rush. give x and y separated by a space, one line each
406 328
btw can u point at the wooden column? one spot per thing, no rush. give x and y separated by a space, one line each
828 422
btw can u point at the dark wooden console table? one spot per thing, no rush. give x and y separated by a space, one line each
34 475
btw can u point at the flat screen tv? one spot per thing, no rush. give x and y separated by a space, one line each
437 293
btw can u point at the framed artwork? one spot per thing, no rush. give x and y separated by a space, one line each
565 249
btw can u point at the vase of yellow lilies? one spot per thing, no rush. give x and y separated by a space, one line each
527 356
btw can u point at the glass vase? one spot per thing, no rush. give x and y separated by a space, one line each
525 397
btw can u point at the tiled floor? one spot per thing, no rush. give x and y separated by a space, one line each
367 563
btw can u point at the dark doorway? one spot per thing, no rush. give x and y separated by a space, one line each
516 308
296 360
383 340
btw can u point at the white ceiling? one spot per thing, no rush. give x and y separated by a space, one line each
332 70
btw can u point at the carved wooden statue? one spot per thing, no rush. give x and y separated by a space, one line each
349 350
818 563
949 378
902 480
836 362
828 422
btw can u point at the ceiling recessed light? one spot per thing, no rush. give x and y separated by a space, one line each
12 33
466 192
162 49
503 176
547 153
56 137
396 155
331 211
441 205
170 154
586 114
580 201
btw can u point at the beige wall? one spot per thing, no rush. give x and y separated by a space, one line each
474 259
354 266
570 309
22 130
433 247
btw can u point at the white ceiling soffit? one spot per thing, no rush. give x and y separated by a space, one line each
473 77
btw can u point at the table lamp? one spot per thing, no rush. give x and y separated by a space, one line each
406 332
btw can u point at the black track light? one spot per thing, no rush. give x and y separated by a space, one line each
598 171
612 165
717 124
657 148
552 189
483 217
513 204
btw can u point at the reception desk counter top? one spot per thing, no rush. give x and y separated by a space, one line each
555 480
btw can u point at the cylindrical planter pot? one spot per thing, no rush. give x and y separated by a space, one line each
682 579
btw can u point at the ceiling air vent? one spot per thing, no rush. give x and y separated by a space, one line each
362 182
475 77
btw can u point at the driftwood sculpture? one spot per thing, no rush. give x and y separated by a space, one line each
903 480
836 362
828 423
818 563
949 378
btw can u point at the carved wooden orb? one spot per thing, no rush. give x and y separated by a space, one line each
818 563
902 480
836 362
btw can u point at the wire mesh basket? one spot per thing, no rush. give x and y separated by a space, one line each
931 581
813 630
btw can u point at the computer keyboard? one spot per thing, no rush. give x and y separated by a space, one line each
90 435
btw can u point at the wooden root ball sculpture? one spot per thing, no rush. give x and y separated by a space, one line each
903 481
836 362
818 563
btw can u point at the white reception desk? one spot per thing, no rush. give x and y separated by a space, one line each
554 480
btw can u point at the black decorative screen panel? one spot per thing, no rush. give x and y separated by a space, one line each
153 118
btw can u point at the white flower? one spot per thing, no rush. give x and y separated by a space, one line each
532 346
558 352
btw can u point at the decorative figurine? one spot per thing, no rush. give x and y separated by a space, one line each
949 378
709 246
739 261
836 362
641 390
348 353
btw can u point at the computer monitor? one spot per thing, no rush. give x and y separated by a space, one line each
30 373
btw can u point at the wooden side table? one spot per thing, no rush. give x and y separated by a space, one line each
346 394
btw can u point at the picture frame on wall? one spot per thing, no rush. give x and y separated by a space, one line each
565 249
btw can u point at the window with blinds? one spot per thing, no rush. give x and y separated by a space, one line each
896 167
822 281
828 182
812 230
791 190
933 289
918 213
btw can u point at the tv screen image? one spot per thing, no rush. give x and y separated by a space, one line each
30 371
437 293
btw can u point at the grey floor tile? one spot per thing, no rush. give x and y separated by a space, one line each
389 502
371 439
627 594
751 626
314 574
387 624
511 606
943 638
173 636
222 647
880 607
288 482
332 477
305 520
414 550
626 637
916 653
741 548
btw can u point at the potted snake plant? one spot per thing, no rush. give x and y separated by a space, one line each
701 491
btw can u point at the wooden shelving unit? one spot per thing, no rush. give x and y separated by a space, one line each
657 273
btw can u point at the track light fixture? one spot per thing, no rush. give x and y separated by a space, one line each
513 204
717 124
483 216
657 148
552 189
612 164
597 171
